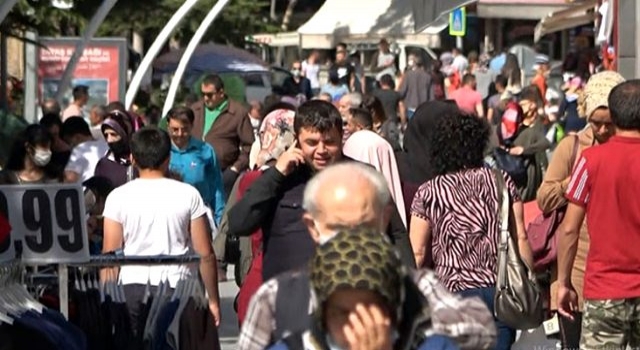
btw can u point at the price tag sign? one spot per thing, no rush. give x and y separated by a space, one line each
48 221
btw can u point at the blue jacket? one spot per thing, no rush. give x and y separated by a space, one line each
198 166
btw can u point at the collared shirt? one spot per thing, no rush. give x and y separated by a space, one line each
198 166
210 116
465 320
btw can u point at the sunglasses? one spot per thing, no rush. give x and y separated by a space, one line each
209 94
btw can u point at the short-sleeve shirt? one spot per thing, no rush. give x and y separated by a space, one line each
156 216
462 210
467 99
606 182
84 158
344 70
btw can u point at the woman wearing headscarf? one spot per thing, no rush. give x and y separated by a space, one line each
116 165
455 223
372 308
551 193
276 136
29 159
414 162
368 147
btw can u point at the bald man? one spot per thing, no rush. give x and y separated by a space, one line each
334 202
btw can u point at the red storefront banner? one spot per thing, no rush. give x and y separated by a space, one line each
102 68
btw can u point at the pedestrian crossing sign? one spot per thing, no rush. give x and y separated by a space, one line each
458 22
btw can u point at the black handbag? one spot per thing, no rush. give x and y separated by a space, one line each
514 166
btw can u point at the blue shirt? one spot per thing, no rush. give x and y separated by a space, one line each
198 166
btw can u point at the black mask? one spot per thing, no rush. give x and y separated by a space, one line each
120 149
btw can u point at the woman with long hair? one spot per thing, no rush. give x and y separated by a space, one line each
381 124
512 71
29 158
455 223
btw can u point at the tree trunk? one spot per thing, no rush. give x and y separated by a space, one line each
286 19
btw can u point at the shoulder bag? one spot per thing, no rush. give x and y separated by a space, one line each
541 232
518 301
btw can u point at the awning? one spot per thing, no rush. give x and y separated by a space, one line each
275 40
427 12
519 9
575 16
351 22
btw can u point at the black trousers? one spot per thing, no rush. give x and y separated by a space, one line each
570 331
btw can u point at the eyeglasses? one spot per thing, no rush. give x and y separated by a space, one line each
209 94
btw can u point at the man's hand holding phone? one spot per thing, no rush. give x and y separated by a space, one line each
290 159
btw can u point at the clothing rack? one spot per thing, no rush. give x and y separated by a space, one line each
114 260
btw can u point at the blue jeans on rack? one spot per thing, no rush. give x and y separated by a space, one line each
506 335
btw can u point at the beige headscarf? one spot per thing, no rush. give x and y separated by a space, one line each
596 92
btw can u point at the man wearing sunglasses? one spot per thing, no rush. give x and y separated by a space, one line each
224 124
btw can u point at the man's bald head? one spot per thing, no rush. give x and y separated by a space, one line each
345 195
51 106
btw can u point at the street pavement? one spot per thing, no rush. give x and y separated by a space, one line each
228 330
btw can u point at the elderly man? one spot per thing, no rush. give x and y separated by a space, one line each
51 106
96 117
334 202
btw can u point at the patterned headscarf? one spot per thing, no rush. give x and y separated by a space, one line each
276 134
358 259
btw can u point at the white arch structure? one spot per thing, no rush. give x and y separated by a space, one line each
5 8
91 30
157 45
186 56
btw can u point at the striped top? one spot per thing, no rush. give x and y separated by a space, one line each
462 210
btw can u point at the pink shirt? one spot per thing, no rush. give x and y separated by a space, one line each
72 111
467 99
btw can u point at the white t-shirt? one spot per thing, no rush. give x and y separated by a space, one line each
383 60
85 156
156 216
312 72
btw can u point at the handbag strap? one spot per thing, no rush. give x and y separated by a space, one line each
574 150
503 211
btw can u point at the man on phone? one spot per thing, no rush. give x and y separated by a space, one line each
274 201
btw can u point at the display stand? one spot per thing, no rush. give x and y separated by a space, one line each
111 261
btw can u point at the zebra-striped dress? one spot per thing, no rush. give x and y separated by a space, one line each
462 210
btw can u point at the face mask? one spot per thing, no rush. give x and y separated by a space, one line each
332 344
41 158
255 123
119 148
410 63
296 73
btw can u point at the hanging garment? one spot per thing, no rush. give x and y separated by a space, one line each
198 330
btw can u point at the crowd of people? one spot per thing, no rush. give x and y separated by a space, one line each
366 221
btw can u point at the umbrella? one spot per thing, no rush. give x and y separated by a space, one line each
212 58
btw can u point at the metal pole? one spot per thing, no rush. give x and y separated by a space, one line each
63 289
91 30
4 71
186 56
30 79
157 45
5 8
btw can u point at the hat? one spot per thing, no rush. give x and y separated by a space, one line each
542 59
362 259
597 89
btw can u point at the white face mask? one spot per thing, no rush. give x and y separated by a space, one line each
41 157
255 123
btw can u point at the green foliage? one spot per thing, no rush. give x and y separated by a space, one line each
148 17
238 18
